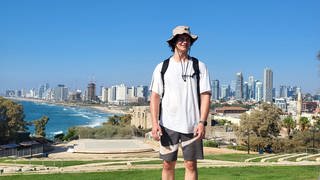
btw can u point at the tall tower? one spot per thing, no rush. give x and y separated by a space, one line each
251 87
91 92
267 85
239 86
259 91
215 89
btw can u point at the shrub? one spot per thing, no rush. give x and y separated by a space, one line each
210 143
238 147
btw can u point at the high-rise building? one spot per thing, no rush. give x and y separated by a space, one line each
292 91
104 96
225 91
46 87
18 93
142 91
61 93
131 92
112 93
75 96
41 91
239 86
267 85
259 91
121 95
91 90
283 91
215 89
251 87
245 91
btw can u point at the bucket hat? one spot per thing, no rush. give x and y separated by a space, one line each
182 30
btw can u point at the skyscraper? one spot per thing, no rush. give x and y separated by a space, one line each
225 91
251 87
283 91
267 85
215 89
61 93
245 91
91 92
104 96
121 94
142 91
112 92
41 91
239 86
259 91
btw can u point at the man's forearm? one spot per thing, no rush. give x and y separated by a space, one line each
205 105
154 107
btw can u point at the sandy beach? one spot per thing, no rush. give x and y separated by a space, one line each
103 108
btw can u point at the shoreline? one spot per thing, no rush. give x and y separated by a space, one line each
105 109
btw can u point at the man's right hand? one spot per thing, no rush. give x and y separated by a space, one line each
156 132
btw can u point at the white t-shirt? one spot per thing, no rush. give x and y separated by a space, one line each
180 109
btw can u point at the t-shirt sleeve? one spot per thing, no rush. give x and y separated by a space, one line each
205 85
156 82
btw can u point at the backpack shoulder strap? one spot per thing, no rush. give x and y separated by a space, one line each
195 65
163 71
164 68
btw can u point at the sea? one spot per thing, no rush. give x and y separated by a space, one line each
62 117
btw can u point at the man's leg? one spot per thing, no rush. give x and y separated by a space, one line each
192 150
191 170
168 170
169 144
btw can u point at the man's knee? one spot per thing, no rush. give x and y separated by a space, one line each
190 165
169 165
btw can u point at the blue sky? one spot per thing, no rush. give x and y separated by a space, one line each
72 42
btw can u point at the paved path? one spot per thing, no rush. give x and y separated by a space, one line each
127 164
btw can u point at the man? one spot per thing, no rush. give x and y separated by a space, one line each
182 84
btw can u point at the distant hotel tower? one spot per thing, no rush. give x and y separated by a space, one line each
239 86
91 92
215 90
267 85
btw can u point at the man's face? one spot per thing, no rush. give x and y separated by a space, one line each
183 42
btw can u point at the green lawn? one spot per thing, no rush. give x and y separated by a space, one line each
231 157
223 173
55 163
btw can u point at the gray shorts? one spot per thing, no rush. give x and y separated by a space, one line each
170 140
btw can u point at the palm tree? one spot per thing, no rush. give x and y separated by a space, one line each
289 123
304 123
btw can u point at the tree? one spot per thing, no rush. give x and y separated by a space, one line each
71 134
40 126
289 123
125 120
262 125
304 123
317 123
119 120
113 120
11 119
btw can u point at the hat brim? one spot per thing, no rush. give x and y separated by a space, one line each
192 36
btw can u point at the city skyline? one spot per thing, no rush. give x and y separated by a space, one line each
75 42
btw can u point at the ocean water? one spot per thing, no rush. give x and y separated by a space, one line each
62 117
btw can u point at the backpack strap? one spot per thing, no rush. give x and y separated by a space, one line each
163 71
164 68
195 64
